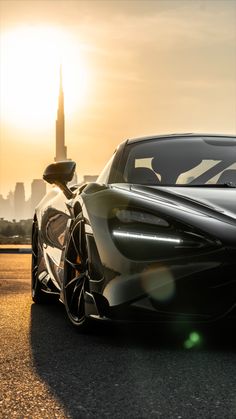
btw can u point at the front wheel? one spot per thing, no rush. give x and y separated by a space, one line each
40 295
76 277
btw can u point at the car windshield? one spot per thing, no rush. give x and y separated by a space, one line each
189 161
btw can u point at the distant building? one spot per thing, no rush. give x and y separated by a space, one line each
61 150
10 200
19 201
5 207
38 190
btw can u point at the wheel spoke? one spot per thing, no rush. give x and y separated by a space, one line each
72 281
81 303
74 293
76 238
75 296
76 266
73 241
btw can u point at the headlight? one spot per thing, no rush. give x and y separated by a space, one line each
139 235
132 216
146 237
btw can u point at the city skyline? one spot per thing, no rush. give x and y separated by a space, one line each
130 69
16 206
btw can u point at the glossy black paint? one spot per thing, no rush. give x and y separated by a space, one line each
180 267
60 172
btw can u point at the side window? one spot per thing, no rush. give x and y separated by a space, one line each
104 175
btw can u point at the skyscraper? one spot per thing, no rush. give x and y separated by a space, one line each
19 201
38 190
61 151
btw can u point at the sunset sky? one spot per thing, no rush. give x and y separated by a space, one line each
130 68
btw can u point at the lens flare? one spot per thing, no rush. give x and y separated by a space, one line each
159 283
193 340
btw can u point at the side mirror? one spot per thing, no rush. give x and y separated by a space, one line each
60 174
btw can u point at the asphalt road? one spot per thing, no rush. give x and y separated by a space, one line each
48 370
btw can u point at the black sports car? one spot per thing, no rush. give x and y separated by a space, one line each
153 238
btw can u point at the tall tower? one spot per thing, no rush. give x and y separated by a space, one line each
61 152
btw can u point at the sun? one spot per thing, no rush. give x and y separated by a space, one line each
29 75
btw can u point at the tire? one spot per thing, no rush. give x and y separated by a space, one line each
76 277
38 295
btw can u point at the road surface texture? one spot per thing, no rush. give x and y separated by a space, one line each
49 370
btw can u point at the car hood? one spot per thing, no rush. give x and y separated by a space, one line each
219 200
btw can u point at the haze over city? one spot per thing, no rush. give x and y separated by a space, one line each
130 68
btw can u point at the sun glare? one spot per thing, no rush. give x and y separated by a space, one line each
29 75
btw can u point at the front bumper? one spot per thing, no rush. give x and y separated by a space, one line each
199 289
